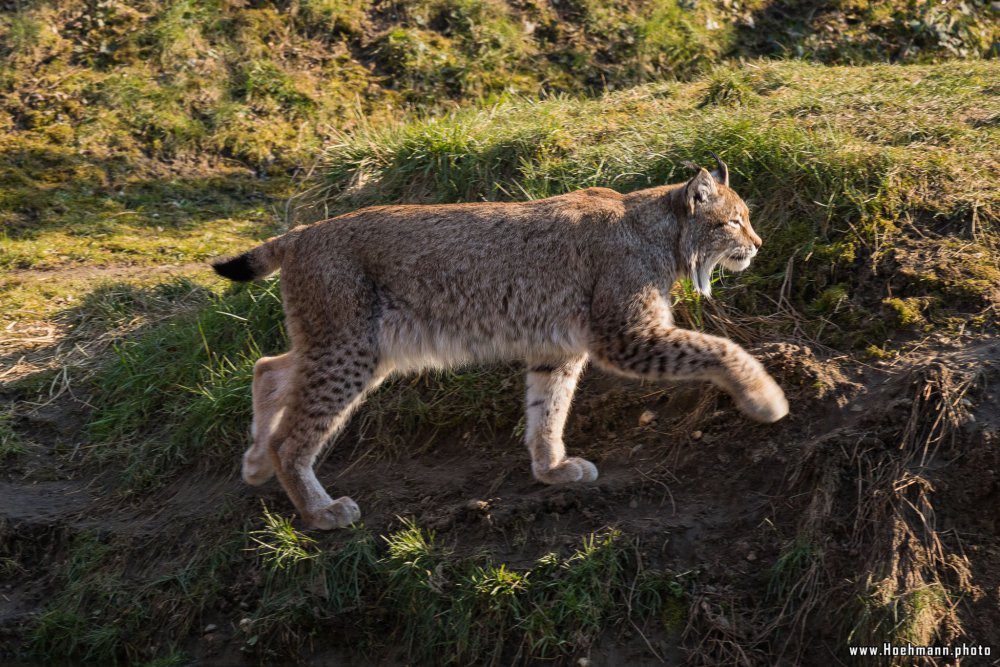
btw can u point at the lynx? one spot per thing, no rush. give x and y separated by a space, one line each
555 282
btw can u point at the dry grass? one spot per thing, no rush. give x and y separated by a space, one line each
896 578
868 561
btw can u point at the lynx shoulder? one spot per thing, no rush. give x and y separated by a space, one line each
556 283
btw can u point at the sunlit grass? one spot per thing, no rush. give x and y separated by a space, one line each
839 165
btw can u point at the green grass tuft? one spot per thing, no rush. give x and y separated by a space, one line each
786 573
180 391
280 545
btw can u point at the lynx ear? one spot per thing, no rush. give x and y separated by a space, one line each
699 190
721 173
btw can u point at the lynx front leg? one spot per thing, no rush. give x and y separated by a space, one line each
272 378
658 352
633 335
550 392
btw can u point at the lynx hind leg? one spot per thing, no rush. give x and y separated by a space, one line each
332 380
550 392
272 378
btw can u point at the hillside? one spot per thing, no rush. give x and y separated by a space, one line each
207 112
140 140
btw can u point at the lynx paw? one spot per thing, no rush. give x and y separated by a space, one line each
340 513
768 404
257 469
572 469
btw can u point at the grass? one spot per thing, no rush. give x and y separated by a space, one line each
441 608
450 610
109 609
143 222
279 545
912 617
120 128
115 305
412 414
154 414
844 173
123 94
789 567
177 409
841 169
141 231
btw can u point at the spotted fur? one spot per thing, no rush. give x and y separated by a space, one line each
554 282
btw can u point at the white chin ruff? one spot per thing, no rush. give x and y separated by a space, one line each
736 264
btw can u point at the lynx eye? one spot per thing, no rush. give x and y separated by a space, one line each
733 223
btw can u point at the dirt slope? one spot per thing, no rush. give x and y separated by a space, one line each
783 546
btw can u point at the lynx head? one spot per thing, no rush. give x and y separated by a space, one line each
716 229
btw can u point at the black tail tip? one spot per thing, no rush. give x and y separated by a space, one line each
237 268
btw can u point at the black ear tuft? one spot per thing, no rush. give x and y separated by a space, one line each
721 172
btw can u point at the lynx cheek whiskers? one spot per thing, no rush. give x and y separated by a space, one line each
557 282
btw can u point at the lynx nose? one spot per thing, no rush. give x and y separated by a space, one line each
755 239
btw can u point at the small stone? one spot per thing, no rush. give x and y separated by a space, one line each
245 624
696 435
634 504
477 505
647 418
751 556
583 662
211 627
